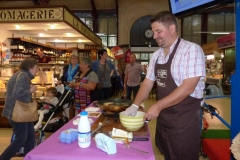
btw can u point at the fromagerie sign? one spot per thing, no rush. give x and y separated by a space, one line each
31 14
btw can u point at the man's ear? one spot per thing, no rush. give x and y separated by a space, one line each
172 28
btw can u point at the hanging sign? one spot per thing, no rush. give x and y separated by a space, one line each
117 52
226 41
127 56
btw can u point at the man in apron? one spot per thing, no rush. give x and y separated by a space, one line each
178 67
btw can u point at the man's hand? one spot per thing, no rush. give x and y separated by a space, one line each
131 111
152 112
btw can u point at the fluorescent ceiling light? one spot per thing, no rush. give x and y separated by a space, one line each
40 34
79 40
215 32
220 32
100 34
17 26
52 26
68 34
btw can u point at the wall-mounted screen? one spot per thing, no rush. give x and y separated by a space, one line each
178 6
183 8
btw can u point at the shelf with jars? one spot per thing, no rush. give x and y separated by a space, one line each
22 48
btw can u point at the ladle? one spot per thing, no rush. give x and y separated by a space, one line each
128 146
100 125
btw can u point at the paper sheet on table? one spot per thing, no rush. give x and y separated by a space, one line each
92 109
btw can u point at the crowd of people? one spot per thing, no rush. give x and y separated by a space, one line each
177 67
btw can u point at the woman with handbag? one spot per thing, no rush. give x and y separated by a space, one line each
19 88
104 69
85 83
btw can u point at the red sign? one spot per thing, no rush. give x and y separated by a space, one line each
117 51
226 41
127 57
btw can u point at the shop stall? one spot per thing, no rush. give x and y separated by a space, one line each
213 63
55 29
227 44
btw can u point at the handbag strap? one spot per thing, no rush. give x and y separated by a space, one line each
103 75
29 81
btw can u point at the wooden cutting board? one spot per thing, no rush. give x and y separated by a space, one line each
113 124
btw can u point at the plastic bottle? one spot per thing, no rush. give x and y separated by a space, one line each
84 130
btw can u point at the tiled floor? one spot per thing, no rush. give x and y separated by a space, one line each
222 104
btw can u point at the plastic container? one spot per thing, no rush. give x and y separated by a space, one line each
68 136
84 130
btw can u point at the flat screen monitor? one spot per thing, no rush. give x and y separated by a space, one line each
178 6
182 8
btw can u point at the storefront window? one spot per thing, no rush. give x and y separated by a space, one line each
138 56
191 25
107 26
108 29
88 22
112 41
104 40
219 22
144 56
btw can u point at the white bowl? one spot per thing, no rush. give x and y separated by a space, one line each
132 123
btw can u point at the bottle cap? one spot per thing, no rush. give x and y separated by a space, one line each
83 113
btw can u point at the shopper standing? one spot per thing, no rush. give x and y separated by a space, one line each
132 77
84 84
105 70
20 90
70 71
178 67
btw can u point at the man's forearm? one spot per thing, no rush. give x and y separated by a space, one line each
143 92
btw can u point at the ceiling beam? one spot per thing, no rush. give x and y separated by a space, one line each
40 2
36 3
116 5
95 16
14 0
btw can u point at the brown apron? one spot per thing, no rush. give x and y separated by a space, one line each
178 127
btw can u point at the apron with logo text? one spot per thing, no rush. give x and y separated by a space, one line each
177 130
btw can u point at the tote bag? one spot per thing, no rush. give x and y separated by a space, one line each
25 112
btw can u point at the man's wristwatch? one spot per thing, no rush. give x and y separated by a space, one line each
81 84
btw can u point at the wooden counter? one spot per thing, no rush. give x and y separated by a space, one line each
3 120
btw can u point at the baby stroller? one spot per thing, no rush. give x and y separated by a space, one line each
53 120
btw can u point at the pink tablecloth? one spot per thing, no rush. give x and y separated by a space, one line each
53 149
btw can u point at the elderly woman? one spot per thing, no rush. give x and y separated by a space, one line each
20 88
86 82
70 70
